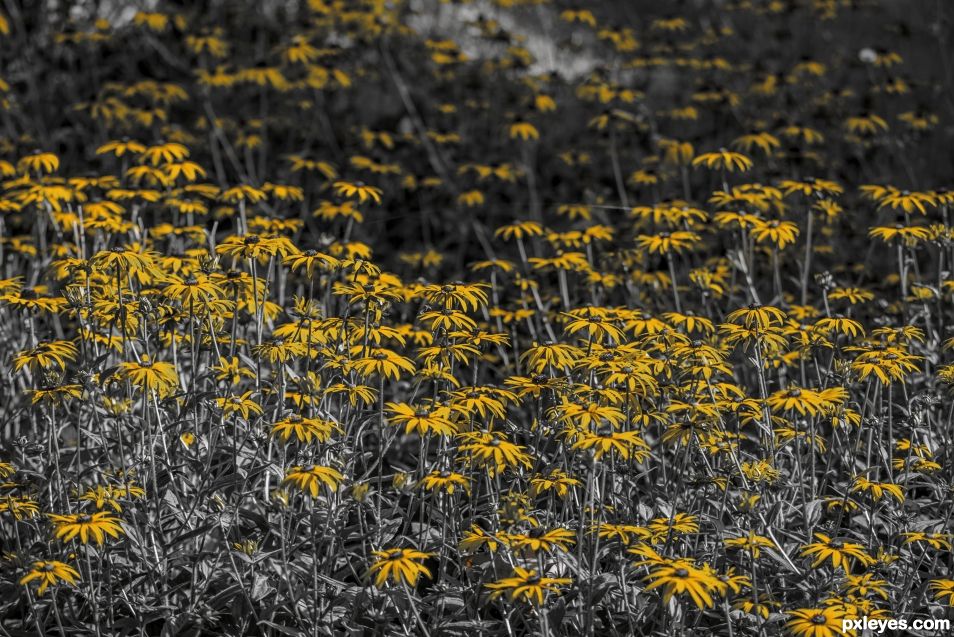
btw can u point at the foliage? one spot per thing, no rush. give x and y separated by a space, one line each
366 317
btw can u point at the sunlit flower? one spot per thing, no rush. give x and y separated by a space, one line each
50 573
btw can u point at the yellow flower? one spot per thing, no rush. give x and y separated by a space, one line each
556 481
527 585
39 163
29 299
242 405
678 523
462 296
765 142
121 147
755 315
476 537
195 289
557 355
588 416
625 443
311 479
865 585
803 401
724 159
907 201
149 375
125 259
538 540
494 452
101 496
583 16
383 362
524 130
943 590
85 525
46 355
253 246
310 260
21 508
278 350
939 541
779 233
422 419
243 193
681 576
816 622
230 369
357 190
838 551
907 234
666 242
877 490
447 481
751 542
304 429
50 573
164 153
841 324
401 566
519 230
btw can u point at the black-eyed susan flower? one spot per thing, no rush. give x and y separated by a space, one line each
816 622
724 159
446 481
422 419
86 526
358 190
527 585
877 490
751 542
557 482
543 540
50 573
21 508
494 452
943 590
399 566
839 552
626 444
311 479
150 376
242 405
304 430
46 355
939 541
31 300
102 496
682 577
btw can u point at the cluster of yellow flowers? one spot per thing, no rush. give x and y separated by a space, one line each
634 375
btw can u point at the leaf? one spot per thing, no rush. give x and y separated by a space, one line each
283 630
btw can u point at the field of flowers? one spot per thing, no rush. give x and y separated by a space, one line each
380 317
